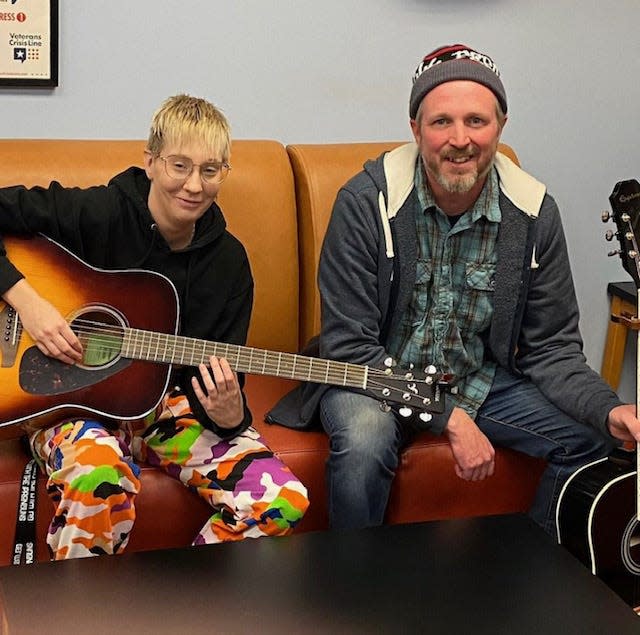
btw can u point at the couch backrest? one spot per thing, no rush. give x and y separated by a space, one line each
319 171
257 200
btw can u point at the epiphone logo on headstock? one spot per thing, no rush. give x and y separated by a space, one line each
625 198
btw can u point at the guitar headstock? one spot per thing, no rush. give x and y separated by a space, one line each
625 205
411 392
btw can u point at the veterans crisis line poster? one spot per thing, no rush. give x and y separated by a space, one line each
28 42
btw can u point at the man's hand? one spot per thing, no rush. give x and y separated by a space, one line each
473 453
623 423
48 329
222 400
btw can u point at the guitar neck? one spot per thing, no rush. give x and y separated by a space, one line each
625 206
186 351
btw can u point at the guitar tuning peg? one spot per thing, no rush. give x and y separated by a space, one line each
389 363
609 234
430 370
384 406
615 252
425 416
405 412
605 216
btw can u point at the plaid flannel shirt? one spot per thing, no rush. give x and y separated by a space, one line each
451 307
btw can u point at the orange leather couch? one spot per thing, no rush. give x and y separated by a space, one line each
277 201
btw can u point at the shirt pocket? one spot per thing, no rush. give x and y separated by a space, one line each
476 300
421 292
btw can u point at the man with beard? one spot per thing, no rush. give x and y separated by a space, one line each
444 252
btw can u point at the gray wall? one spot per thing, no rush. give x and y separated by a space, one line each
339 70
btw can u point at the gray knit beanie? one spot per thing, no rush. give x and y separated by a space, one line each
453 62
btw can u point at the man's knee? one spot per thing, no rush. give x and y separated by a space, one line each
363 439
587 444
356 421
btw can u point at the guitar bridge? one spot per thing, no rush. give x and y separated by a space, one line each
11 331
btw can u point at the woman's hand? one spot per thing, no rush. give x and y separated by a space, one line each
221 397
44 323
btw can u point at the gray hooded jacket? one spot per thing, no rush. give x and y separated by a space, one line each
367 273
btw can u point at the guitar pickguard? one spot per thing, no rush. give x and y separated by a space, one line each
45 376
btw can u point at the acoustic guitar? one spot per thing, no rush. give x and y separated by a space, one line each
597 512
127 323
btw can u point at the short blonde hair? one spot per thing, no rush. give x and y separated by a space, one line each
182 119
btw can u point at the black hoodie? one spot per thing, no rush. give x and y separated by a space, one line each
111 227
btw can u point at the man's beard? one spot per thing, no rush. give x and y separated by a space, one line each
462 183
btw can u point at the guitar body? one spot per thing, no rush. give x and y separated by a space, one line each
126 322
597 522
597 512
38 389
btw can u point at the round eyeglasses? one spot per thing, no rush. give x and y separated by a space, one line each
181 168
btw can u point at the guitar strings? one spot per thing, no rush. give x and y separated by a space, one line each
248 359
190 346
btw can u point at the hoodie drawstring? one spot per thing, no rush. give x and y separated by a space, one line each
386 226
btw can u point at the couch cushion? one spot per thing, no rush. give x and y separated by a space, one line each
319 171
259 204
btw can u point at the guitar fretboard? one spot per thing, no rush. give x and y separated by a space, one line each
186 351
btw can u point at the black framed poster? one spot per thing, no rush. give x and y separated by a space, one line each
28 43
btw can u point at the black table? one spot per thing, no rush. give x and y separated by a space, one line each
489 575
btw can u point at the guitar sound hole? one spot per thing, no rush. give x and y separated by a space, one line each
630 546
100 330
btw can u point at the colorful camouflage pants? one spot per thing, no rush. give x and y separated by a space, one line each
93 480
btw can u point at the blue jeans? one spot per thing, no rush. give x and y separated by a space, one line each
365 444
